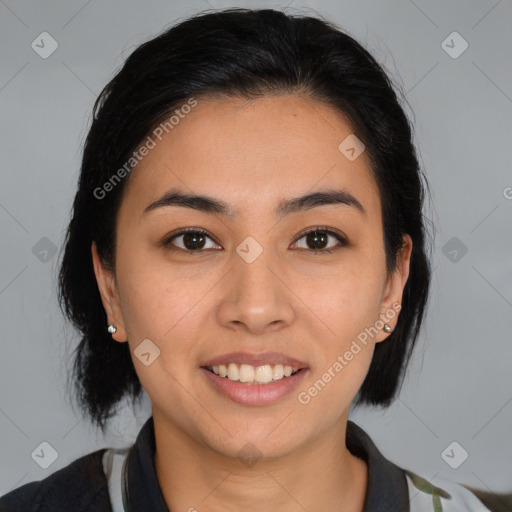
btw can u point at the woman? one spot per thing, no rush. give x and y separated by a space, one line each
248 246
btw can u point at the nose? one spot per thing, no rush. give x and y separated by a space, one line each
256 297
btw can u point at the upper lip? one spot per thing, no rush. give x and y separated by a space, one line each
256 359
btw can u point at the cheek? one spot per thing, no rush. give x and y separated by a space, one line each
332 387
152 296
349 309
166 305
146 305
347 299
163 314
345 349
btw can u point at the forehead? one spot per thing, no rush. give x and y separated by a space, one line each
252 153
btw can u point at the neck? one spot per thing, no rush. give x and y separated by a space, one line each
322 475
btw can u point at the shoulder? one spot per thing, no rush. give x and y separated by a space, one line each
451 496
79 486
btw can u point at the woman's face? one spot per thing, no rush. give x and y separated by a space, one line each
253 283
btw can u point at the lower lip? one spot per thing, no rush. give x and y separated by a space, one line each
254 394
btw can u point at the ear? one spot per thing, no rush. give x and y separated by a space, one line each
393 292
109 295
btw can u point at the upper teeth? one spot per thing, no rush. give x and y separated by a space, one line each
254 374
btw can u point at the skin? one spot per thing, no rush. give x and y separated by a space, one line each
311 306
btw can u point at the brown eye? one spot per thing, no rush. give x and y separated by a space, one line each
192 240
318 240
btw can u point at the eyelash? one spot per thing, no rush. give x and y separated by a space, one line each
167 243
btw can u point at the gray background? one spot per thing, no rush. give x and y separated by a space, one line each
459 384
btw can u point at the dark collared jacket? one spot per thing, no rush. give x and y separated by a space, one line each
110 480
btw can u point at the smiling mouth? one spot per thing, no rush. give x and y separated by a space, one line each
256 375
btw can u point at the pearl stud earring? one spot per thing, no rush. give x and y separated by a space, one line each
112 329
387 328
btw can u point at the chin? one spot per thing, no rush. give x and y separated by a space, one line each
264 443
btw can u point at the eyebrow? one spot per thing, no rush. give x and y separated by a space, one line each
285 207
